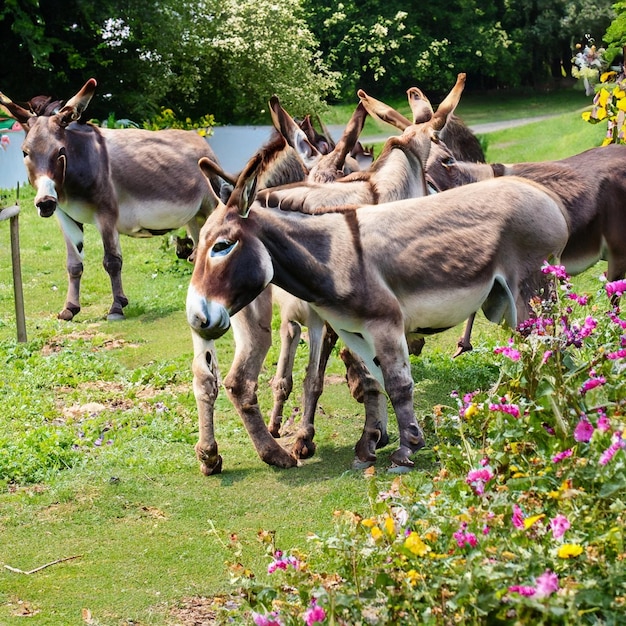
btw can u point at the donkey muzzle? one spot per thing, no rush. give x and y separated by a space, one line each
46 206
208 319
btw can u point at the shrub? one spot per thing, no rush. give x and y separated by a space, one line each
523 522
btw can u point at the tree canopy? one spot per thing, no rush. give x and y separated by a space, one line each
226 58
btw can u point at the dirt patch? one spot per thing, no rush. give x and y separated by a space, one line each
105 342
200 611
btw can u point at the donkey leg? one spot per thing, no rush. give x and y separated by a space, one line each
464 344
393 356
252 333
322 339
112 263
282 383
205 389
366 389
74 242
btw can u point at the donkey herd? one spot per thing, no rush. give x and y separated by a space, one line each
376 252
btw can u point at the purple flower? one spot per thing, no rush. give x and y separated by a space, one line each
546 356
463 537
271 619
558 271
478 478
523 590
314 614
616 288
592 383
603 424
511 409
547 584
518 517
557 458
582 300
508 351
618 354
584 430
559 525
282 562
611 451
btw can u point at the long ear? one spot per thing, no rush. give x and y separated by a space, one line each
451 101
420 105
243 194
293 134
77 103
15 111
328 166
383 112
210 169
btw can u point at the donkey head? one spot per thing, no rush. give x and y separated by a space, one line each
232 267
45 146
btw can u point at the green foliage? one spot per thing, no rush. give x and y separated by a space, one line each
524 520
615 35
167 119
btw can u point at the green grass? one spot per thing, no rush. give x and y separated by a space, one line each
149 529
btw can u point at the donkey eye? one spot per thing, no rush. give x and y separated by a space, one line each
222 247
448 162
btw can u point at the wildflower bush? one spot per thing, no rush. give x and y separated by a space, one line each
168 119
609 106
523 519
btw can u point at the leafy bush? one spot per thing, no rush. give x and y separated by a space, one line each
523 521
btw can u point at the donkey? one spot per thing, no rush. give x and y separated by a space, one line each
379 272
591 186
396 174
135 182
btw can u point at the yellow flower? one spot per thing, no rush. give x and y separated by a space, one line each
414 544
586 115
530 521
390 526
569 550
369 522
376 533
601 113
414 577
471 410
621 103
603 97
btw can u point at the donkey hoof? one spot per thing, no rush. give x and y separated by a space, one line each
399 469
69 312
304 448
359 464
214 468
115 317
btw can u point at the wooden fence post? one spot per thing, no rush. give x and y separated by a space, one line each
12 214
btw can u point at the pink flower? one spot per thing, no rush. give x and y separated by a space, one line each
611 451
4 141
603 424
463 537
616 288
281 562
511 409
478 478
523 590
314 614
592 383
557 458
618 354
508 351
547 584
271 619
558 271
559 525
518 517
546 356
584 430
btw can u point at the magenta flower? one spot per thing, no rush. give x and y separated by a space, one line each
314 614
558 271
559 525
523 590
557 458
463 537
618 354
603 424
511 409
546 356
518 517
508 351
271 619
547 584
478 478
616 288
584 430
282 562
592 383
618 444
582 300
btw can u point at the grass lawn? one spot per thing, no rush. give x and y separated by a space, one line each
99 422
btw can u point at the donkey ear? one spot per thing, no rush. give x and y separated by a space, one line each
293 134
245 189
380 110
77 103
14 111
210 169
449 104
420 105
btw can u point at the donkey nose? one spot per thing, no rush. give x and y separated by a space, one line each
210 320
46 206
